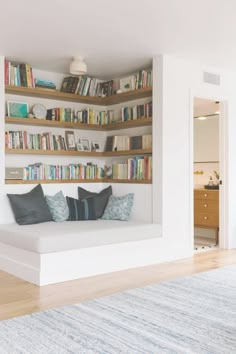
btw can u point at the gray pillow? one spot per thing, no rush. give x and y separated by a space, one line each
119 208
30 208
100 199
58 206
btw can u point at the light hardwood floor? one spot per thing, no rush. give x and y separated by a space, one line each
18 297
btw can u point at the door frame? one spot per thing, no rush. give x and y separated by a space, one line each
223 164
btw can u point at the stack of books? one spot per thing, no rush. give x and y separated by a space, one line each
124 142
87 116
18 74
136 112
25 140
138 168
40 171
87 86
143 79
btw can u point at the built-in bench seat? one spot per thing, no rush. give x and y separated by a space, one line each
52 252
52 237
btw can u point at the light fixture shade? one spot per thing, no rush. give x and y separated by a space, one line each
78 66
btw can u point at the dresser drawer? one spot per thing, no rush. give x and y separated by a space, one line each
207 205
206 219
204 194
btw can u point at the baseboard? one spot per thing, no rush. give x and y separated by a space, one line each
20 270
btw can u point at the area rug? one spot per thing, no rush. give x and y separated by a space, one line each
195 314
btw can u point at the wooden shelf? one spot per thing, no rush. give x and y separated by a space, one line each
52 95
53 152
127 96
131 181
62 96
142 122
104 180
128 152
49 181
77 153
106 127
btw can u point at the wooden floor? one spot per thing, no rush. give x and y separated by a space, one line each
18 297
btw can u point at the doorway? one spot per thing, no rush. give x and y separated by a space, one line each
206 170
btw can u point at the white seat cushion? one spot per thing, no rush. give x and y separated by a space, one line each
51 237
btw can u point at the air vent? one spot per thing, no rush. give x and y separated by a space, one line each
213 79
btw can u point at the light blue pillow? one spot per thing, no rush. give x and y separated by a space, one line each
118 208
58 207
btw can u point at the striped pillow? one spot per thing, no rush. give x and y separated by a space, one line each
83 209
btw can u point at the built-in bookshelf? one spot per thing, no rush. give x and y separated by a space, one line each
114 99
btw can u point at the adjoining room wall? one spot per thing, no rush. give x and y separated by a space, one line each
181 81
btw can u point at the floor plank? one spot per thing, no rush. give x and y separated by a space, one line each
18 297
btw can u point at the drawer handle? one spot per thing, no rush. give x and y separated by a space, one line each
205 217
205 195
205 205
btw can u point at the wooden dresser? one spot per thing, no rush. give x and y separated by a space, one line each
206 209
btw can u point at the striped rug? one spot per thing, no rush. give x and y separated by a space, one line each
191 315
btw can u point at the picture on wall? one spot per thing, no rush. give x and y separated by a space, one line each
17 109
95 146
70 140
85 144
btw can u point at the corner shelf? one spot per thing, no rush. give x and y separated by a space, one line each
102 180
57 124
62 96
78 153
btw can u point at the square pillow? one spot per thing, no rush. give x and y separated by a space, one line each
58 207
119 208
30 208
100 199
81 209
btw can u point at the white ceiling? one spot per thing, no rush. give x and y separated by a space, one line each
117 37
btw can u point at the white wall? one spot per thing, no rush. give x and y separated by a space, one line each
176 83
206 169
181 82
206 139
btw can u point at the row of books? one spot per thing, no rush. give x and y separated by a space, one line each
18 74
124 142
136 112
137 168
22 75
25 140
87 86
40 171
88 116
141 79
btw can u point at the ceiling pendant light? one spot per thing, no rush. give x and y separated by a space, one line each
78 66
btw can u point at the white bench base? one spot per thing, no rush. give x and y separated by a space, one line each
50 268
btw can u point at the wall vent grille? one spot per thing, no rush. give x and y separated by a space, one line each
213 79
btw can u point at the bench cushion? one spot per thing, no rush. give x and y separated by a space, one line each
52 237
